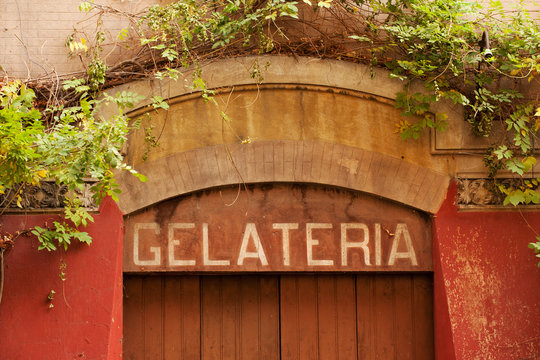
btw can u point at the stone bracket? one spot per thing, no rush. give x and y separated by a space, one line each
48 197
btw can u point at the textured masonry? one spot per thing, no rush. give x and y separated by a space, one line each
284 161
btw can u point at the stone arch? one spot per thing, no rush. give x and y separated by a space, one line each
179 172
230 72
285 161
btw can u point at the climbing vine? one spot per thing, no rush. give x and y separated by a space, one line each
480 57
65 144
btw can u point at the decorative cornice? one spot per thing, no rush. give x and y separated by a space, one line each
48 197
478 193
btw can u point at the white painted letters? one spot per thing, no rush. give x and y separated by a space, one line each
345 245
401 229
173 242
311 242
206 251
156 250
251 233
377 244
327 248
286 248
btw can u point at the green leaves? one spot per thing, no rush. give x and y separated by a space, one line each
525 193
75 146
536 247
159 103
60 235
178 29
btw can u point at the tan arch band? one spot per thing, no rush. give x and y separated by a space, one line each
284 161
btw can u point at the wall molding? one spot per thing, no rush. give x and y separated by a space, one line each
47 197
480 193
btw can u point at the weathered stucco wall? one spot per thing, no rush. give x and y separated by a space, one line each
34 33
489 279
348 108
86 320
484 304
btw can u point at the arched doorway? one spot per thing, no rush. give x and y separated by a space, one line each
278 271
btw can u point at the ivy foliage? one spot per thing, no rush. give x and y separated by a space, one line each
74 146
474 54
471 54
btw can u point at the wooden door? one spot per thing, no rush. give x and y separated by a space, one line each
279 317
365 317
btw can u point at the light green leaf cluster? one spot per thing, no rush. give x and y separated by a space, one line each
75 145
460 51
536 247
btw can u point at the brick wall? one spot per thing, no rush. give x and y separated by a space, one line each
33 34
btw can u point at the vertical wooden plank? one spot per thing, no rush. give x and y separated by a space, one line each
384 334
249 317
403 315
289 321
365 317
269 318
173 321
181 317
230 308
423 316
346 315
133 345
327 316
308 315
211 322
191 315
153 317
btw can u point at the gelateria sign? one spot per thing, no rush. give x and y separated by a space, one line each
277 228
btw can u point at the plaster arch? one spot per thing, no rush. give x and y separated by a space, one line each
176 170
230 72
285 161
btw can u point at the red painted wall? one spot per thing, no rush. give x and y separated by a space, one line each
87 324
487 299
487 293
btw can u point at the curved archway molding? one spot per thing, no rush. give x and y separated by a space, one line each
230 72
284 161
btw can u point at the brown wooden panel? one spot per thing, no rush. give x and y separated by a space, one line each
286 317
299 317
259 327
133 344
269 318
384 318
304 228
308 317
395 316
231 313
290 337
191 315
336 315
211 318
153 317
249 340
327 324
182 318
346 317
423 317
173 309
403 314
365 304
240 317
